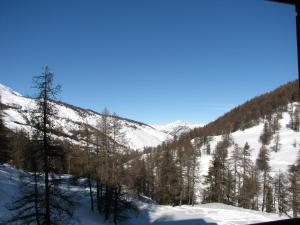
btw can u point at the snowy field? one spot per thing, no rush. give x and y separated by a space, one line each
149 213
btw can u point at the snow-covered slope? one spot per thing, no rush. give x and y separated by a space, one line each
176 128
16 116
287 154
149 213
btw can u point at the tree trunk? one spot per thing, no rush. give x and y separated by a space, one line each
91 193
264 191
98 197
46 153
36 198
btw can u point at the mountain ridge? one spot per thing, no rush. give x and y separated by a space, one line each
177 127
17 116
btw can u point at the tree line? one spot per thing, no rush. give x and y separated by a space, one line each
169 173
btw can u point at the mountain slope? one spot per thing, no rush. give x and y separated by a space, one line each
17 116
176 128
251 112
289 142
243 124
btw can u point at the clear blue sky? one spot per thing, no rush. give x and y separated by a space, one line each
154 61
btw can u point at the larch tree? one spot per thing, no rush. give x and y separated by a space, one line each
86 135
4 152
266 134
246 166
269 200
294 188
277 144
118 148
57 204
235 161
42 201
282 193
262 163
217 178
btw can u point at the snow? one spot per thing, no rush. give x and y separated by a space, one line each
149 212
213 213
138 135
176 128
279 161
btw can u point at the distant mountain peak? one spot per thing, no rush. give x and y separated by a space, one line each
177 127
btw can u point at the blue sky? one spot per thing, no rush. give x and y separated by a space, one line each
151 60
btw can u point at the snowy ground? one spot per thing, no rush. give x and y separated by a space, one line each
149 213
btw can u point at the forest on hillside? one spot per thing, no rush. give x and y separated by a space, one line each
168 174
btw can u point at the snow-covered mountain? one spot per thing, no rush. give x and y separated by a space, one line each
176 128
287 154
17 116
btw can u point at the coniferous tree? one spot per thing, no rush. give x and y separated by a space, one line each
250 189
255 187
109 148
57 204
4 152
274 123
88 167
216 180
139 176
107 161
42 200
269 200
208 151
281 193
168 178
118 147
262 163
99 168
246 165
277 142
296 119
266 135
235 160
294 188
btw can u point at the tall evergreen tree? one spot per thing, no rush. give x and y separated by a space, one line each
262 163
216 180
266 135
42 201
236 160
294 188
57 204
281 193
89 165
269 200
246 165
167 189
277 144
